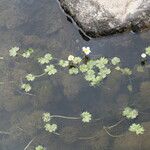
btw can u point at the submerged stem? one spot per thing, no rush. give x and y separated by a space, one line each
87 138
65 117
115 136
110 127
4 132
40 75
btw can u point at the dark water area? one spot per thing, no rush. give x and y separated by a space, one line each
43 26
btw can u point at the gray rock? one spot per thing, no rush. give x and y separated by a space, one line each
105 17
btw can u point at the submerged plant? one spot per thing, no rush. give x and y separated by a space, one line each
137 128
130 113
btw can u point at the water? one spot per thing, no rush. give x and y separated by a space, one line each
43 26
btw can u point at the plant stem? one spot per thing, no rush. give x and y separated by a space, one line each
29 143
56 133
87 138
115 136
40 75
4 132
110 127
65 117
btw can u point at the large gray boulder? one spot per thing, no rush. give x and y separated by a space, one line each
105 17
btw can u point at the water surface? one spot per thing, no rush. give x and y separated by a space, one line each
43 26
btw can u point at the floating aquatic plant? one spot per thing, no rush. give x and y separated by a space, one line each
70 57
28 53
13 51
126 71
73 70
50 70
147 51
86 117
46 59
115 61
50 127
46 117
40 147
130 113
137 128
26 87
30 77
64 63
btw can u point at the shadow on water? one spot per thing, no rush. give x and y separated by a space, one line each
43 26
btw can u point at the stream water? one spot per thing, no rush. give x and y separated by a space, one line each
43 26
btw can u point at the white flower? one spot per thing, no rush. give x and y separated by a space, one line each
70 57
143 55
86 50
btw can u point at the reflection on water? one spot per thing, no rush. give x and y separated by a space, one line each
42 26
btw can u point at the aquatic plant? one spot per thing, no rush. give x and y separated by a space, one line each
86 50
13 51
147 51
73 71
46 117
86 116
30 77
115 61
137 128
130 113
64 63
40 147
46 59
28 53
50 127
26 87
50 69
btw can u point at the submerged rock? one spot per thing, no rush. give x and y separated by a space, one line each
105 17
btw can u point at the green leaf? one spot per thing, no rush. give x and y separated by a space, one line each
64 63
137 128
50 69
40 147
26 87
46 59
140 69
130 113
28 53
13 51
129 87
147 50
126 71
73 71
77 60
86 117
50 127
30 77
46 117
83 68
115 60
